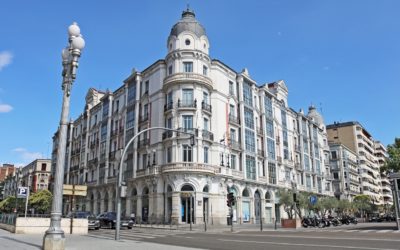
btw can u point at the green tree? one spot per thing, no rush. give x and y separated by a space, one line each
362 203
8 204
41 201
393 162
286 199
343 207
327 204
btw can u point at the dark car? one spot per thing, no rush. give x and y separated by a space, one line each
375 219
93 222
108 220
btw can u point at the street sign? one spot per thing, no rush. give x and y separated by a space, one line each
22 192
313 199
77 190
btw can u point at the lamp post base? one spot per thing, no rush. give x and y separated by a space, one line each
54 241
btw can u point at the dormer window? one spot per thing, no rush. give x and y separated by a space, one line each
187 42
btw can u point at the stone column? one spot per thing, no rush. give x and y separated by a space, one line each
176 208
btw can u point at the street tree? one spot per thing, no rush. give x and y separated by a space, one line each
393 161
41 201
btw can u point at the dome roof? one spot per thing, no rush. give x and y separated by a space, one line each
188 22
314 115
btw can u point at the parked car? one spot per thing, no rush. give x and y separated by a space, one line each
93 222
108 220
375 218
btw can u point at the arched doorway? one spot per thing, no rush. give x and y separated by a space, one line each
257 206
145 205
245 206
187 198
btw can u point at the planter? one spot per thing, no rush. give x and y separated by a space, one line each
290 223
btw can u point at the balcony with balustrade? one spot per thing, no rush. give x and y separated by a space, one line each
205 107
185 77
188 167
168 107
234 119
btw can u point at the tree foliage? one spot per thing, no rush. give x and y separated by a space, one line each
393 161
8 204
41 201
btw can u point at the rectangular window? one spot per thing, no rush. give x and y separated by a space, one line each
130 117
250 167
316 151
271 148
146 87
315 133
205 70
187 122
205 98
232 110
306 163
144 161
304 127
250 141
170 70
188 66
271 173
187 97
103 131
205 124
205 154
308 182
285 154
106 105
231 88
232 135
247 96
248 118
305 145
233 161
268 107
285 138
131 93
270 128
283 116
187 153
169 154
333 155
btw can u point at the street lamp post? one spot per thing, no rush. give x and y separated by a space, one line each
119 186
54 237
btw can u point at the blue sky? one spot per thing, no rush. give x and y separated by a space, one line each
342 56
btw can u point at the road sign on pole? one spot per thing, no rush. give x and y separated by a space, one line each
22 192
313 199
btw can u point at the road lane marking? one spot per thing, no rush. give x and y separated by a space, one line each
316 237
306 245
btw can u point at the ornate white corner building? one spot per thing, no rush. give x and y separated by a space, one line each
248 140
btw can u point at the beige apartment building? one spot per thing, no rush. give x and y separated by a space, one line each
357 139
381 155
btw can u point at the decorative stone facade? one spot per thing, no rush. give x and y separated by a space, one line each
247 140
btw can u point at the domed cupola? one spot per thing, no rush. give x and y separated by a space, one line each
315 115
188 33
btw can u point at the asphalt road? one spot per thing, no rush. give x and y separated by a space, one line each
368 236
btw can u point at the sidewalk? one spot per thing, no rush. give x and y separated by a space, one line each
77 242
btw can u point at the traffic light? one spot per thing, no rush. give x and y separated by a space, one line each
230 199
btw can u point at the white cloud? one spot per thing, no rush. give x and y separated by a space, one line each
279 33
5 59
27 156
326 68
5 108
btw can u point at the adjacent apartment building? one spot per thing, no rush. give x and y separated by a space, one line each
35 175
247 140
370 154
